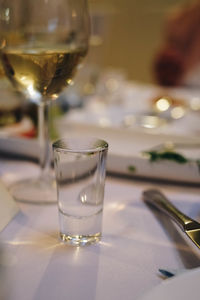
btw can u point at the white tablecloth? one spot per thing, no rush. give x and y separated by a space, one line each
136 243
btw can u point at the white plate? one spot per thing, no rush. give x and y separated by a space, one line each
27 147
182 287
126 148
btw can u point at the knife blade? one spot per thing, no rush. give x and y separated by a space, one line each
187 224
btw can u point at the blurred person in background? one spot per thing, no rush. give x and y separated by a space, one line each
177 62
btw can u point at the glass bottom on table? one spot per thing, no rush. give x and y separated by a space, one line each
82 228
35 191
80 240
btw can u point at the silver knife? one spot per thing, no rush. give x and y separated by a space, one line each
187 224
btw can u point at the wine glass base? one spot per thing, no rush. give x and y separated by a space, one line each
35 191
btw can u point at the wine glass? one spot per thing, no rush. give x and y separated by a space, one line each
42 44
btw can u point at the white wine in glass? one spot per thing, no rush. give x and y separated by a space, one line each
42 44
41 74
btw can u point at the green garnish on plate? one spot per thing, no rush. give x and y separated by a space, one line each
166 155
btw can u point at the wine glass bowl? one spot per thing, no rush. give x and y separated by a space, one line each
42 44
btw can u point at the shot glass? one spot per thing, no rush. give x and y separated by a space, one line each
80 168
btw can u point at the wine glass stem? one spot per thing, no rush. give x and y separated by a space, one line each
43 136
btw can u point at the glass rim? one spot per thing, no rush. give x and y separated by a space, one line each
60 145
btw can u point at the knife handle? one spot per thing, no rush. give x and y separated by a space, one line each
156 198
